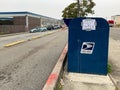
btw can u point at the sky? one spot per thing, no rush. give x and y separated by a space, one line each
54 8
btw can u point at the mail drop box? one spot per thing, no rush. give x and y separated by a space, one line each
88 45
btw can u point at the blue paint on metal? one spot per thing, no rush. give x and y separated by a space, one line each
67 21
88 50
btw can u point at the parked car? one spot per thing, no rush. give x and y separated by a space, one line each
34 30
38 29
57 26
50 27
43 29
111 23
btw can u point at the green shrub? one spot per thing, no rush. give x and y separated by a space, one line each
109 68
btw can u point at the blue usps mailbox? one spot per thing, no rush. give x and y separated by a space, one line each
88 45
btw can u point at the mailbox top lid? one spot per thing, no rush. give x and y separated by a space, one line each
74 21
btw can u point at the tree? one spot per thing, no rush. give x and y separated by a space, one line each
85 8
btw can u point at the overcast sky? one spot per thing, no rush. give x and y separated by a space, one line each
53 8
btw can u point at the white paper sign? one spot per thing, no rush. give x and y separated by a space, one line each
88 24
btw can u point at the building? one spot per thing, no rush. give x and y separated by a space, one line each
14 22
116 19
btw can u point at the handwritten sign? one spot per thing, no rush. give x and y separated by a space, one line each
89 24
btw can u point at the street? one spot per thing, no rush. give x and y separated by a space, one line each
27 66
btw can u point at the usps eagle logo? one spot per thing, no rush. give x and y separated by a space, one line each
87 48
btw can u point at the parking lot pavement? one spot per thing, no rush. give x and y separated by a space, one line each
114 59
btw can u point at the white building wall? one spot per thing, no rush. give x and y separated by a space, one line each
116 18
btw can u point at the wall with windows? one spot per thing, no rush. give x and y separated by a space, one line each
13 22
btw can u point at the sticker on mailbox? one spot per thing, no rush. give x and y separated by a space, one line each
88 24
87 48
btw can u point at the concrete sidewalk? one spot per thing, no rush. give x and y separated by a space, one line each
79 81
114 59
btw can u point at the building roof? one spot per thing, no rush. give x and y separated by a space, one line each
6 18
24 13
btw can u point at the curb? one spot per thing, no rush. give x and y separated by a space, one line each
36 37
14 43
22 41
12 34
53 77
113 81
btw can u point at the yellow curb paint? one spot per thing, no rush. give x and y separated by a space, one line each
21 41
14 43
35 37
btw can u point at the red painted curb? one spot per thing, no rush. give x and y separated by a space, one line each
53 77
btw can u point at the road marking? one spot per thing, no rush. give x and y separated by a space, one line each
14 43
21 41
35 37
